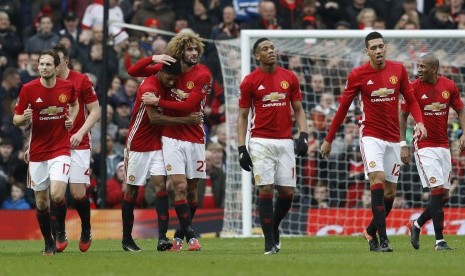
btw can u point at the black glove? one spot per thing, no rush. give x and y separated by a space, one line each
244 159
301 147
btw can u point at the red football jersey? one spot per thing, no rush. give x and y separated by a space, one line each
378 92
142 135
435 100
187 97
85 94
270 96
49 137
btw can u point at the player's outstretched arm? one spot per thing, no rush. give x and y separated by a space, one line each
461 115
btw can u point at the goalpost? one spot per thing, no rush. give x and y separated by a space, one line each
322 60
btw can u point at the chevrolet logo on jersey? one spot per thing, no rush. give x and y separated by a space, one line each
435 106
52 110
274 97
382 92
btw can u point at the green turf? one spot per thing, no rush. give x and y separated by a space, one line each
235 256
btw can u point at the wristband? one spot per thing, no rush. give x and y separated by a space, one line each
403 144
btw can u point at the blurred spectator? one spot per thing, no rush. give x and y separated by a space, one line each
129 7
342 25
157 9
289 12
379 24
9 162
211 192
32 68
366 19
112 159
44 39
130 57
114 197
122 120
246 10
10 42
159 46
180 24
406 19
94 64
456 7
95 133
94 16
16 201
23 60
9 91
148 38
320 197
113 90
460 20
127 93
218 155
220 135
228 28
267 18
71 27
439 19
331 11
201 22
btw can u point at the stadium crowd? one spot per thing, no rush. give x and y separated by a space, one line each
29 27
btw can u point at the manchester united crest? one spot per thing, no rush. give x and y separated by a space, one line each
445 94
284 85
190 85
372 164
62 98
168 167
132 178
432 180
393 80
257 179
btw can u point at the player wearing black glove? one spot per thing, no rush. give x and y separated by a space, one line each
301 147
244 159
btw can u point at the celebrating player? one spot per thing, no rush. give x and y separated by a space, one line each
435 94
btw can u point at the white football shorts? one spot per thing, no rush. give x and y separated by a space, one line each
80 164
183 157
273 161
434 167
56 169
379 155
139 166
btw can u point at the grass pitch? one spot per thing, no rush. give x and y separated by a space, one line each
237 256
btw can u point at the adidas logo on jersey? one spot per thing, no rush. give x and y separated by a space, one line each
424 97
39 100
261 87
369 82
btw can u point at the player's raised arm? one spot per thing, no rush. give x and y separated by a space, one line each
144 68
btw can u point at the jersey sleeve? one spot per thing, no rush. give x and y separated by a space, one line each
22 102
144 68
88 92
245 94
296 93
351 90
411 101
456 101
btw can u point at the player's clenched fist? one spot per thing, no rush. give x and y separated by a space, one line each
150 99
244 159
301 147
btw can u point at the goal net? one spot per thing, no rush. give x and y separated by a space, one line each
332 196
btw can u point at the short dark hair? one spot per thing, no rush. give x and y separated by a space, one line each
431 60
61 48
9 71
371 36
54 54
260 40
172 69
